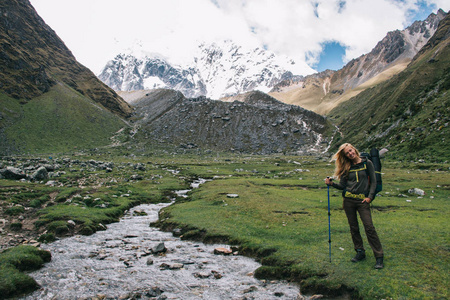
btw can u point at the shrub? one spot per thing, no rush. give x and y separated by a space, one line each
15 210
36 203
16 226
47 238
58 227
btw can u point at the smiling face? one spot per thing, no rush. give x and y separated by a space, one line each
350 153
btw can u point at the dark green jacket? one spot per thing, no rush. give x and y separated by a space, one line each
357 183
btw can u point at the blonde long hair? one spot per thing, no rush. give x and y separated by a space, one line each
343 163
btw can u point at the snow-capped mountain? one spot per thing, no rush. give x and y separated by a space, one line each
323 91
217 70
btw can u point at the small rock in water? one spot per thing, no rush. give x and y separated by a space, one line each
153 292
177 232
250 289
202 275
174 266
216 274
223 251
160 248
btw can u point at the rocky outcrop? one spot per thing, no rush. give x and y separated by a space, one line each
257 123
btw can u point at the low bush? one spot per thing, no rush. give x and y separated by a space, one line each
15 210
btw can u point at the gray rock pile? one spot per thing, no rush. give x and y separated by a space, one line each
44 169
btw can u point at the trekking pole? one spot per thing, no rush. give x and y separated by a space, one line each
329 222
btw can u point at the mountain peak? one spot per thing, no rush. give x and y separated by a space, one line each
217 70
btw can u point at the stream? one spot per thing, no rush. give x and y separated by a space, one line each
118 263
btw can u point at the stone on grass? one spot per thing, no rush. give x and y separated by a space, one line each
232 195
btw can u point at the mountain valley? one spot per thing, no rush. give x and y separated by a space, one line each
234 151
50 102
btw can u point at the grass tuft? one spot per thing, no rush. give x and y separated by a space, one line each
13 262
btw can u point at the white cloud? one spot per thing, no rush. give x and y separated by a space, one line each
97 30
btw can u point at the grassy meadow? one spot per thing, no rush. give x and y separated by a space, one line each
280 217
61 120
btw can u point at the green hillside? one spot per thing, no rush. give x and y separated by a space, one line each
57 121
409 114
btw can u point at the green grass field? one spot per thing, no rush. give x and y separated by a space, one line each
280 217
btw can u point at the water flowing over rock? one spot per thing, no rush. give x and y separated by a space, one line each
118 263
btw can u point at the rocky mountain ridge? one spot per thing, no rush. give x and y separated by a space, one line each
49 109
257 124
222 71
34 59
323 91
218 70
409 113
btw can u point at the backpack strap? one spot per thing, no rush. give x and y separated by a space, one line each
360 169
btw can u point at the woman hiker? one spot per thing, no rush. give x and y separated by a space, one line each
359 190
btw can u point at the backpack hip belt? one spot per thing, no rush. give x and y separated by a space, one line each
347 194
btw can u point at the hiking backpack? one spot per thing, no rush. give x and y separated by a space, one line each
374 157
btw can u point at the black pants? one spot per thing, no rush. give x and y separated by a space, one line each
351 206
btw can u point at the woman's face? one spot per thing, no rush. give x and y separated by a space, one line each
350 152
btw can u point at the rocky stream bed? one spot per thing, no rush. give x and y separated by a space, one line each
132 260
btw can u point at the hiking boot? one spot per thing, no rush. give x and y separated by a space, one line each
360 255
379 264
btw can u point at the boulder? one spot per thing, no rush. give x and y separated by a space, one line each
40 174
216 274
12 173
136 177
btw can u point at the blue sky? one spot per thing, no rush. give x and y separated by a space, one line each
333 53
425 9
316 34
331 57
